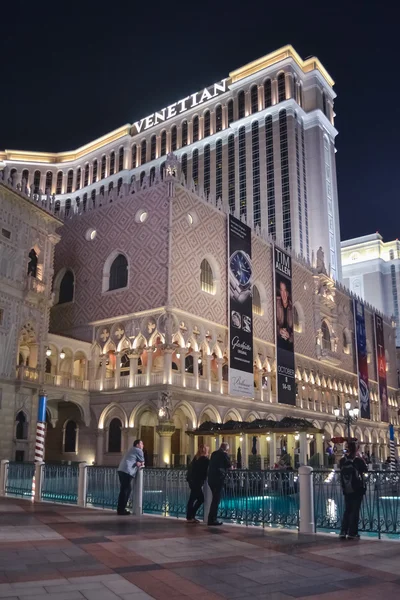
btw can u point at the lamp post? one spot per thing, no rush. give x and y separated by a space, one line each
349 418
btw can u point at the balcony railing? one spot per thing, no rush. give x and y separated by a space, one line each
66 382
27 374
33 284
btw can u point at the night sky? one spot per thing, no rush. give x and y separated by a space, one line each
72 71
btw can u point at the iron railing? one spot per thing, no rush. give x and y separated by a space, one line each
102 487
19 479
165 492
60 483
380 508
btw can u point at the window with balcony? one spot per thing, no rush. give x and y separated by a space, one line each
326 336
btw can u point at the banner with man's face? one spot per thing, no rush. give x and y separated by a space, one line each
381 367
240 309
284 328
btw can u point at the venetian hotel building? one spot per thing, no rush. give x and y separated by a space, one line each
139 276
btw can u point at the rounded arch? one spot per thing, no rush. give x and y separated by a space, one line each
298 317
359 434
328 428
232 414
21 425
64 286
368 436
108 276
188 411
271 417
210 275
210 410
252 416
375 436
326 334
260 302
338 430
111 411
317 424
138 410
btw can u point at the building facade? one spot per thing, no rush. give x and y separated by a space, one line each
371 271
263 139
138 343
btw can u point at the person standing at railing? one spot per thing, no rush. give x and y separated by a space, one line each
220 464
131 462
352 478
196 476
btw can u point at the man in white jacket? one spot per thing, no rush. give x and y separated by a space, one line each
131 462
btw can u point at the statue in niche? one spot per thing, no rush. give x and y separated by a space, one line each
164 411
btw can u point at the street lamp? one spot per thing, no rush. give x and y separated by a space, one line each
350 417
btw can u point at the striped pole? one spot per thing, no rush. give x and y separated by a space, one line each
41 427
392 448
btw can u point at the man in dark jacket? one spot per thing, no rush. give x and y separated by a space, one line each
352 469
220 464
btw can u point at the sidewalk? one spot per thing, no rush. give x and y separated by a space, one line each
55 552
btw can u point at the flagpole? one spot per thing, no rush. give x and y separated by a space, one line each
41 427
392 448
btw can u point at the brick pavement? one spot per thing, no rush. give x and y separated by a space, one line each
55 552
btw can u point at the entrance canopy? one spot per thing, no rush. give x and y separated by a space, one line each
259 426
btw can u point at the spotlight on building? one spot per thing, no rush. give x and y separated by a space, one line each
62 354
48 352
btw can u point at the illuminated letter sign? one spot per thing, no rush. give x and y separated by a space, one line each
180 107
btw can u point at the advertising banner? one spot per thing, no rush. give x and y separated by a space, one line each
240 309
362 359
381 367
285 379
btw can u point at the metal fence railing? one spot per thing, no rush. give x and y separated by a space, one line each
102 487
165 492
60 483
19 479
380 508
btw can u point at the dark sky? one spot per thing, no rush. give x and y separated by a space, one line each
72 71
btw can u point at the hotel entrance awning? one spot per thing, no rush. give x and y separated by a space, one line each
257 427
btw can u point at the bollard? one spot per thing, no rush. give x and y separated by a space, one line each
306 500
207 501
137 496
82 484
38 477
3 476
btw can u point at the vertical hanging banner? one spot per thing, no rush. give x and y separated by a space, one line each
362 359
285 379
381 367
240 309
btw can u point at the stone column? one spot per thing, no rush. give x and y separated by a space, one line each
33 355
196 355
274 91
133 367
245 451
103 371
182 358
165 431
149 365
272 449
303 448
168 366
319 443
224 116
99 446
117 375
290 443
220 380
208 370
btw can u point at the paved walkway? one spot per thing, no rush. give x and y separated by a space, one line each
55 552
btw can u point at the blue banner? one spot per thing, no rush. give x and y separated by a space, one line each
362 360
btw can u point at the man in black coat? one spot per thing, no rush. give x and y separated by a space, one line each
220 464
352 470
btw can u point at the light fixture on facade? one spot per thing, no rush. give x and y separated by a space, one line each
199 361
268 438
303 387
241 439
336 411
62 354
347 405
177 354
297 437
48 352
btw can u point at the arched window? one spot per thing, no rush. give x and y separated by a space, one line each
102 190
324 107
67 283
67 206
184 133
143 152
285 179
255 155
207 158
119 184
48 366
134 155
218 118
114 435
70 437
57 207
207 123
163 143
267 93
86 177
326 336
33 262
142 176
195 166
281 87
207 277
84 202
78 179
241 105
121 155
184 165
195 129
231 171
230 112
297 326
49 182
152 174
103 167
174 137
93 198
162 169
257 308
254 99
118 273
112 163
25 175
21 430
347 342
36 182
94 172
125 365
153 147
242 171
189 363
110 186
70 181
218 169
59 182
